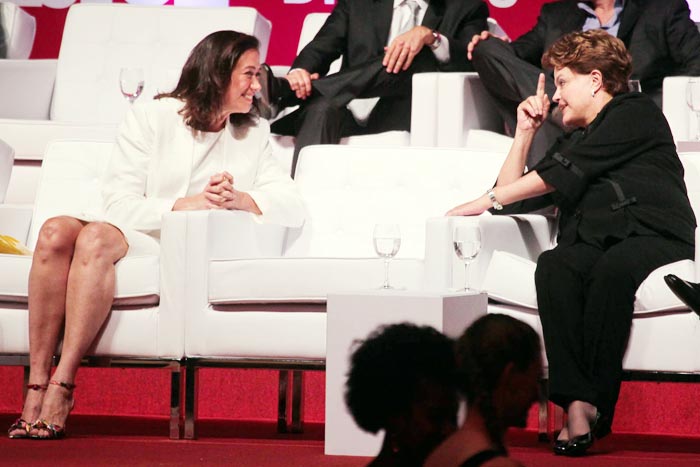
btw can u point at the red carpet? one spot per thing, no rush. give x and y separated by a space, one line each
122 441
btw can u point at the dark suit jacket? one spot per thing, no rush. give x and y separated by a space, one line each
358 30
659 34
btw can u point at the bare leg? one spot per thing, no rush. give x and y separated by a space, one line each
47 294
89 297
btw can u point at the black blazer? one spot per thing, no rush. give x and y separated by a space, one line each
659 34
358 30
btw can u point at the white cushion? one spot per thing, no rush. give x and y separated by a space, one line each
303 280
137 280
20 29
510 279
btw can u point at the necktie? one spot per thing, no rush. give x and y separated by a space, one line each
410 15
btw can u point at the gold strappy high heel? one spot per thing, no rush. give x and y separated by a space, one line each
55 431
22 424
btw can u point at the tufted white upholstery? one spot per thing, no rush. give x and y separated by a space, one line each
147 318
77 96
20 30
262 294
661 321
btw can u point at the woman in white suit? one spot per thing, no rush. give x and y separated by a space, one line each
200 146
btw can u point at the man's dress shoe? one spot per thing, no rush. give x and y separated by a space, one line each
688 292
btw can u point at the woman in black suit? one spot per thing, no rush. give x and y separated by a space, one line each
624 212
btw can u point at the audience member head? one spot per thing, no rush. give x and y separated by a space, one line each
401 379
499 366
221 68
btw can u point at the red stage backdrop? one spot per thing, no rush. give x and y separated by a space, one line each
515 16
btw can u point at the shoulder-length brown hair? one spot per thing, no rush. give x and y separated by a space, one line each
595 49
206 77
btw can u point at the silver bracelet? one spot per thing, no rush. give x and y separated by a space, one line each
492 196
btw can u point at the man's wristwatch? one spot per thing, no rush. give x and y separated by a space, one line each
437 41
492 196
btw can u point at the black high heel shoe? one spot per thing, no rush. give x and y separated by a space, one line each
578 445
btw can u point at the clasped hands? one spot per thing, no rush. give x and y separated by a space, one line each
398 56
218 194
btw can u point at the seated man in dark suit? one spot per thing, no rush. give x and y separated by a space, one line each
383 43
659 35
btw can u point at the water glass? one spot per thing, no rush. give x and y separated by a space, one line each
131 82
387 241
467 244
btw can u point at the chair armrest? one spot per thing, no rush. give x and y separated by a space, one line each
445 106
26 87
15 221
30 137
525 235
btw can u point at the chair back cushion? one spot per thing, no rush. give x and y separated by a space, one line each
349 189
20 30
70 182
100 39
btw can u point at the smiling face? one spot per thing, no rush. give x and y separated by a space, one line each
244 84
573 95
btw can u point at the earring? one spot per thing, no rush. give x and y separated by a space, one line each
592 93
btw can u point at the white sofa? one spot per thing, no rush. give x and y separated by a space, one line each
7 158
78 96
147 319
19 28
258 297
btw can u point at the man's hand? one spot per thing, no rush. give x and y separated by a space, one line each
478 38
300 82
533 111
400 53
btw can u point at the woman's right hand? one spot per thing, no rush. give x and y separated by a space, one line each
212 197
533 111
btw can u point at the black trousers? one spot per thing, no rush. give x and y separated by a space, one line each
586 299
323 118
510 80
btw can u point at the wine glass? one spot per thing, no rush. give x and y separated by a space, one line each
131 83
692 96
467 244
634 85
387 241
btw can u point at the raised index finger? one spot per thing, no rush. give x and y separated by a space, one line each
540 86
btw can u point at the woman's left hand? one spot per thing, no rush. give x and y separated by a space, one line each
472 208
220 192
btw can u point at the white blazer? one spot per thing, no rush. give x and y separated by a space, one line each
151 168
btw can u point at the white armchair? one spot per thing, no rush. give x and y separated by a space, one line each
258 292
20 30
77 95
682 120
147 319
511 245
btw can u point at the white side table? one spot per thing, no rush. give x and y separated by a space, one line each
352 316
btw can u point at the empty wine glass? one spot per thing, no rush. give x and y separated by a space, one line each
692 96
634 85
387 241
467 244
131 83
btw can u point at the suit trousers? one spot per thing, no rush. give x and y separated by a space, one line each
586 299
323 118
510 80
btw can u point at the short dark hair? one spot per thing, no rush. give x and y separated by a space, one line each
595 49
387 368
206 76
483 352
